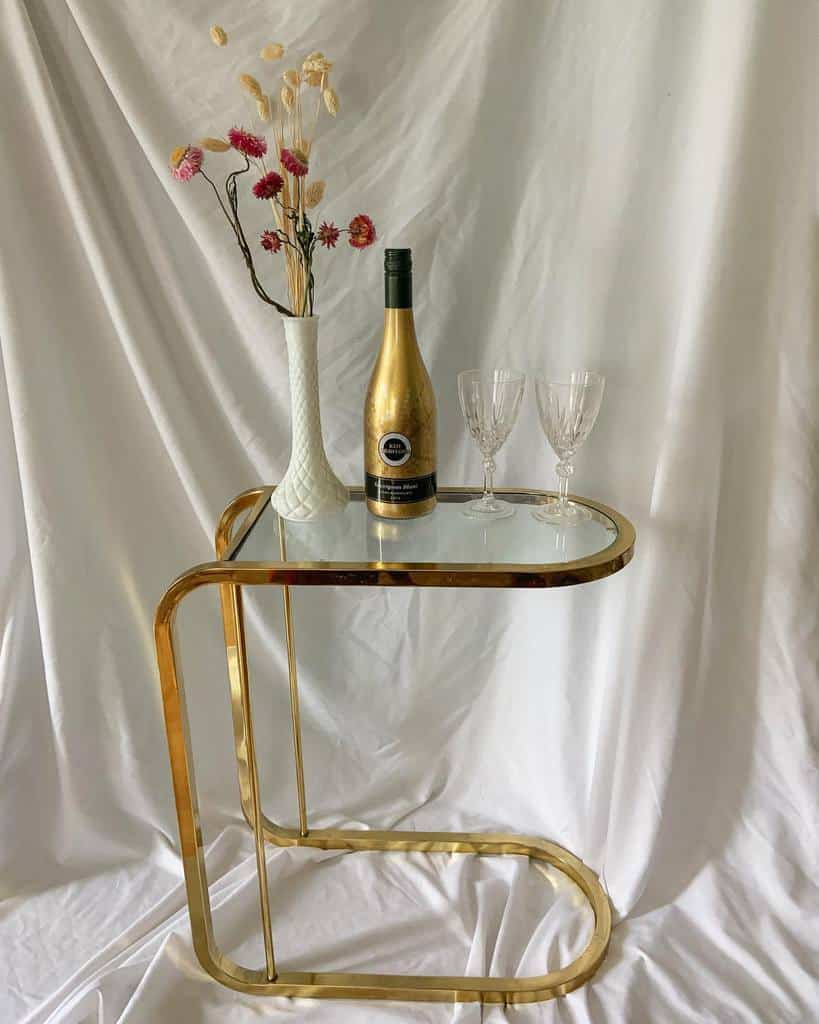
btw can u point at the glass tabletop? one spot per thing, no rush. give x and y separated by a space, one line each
445 539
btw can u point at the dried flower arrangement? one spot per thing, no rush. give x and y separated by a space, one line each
287 189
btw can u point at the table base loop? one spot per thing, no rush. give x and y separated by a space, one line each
432 988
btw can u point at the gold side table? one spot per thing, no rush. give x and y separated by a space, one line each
354 549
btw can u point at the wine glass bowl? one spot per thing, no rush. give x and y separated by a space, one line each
490 401
568 411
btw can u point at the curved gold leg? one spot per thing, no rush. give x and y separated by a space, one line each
254 501
329 985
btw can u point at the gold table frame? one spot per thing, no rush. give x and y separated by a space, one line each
230 576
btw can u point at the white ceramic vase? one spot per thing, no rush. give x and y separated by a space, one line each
309 489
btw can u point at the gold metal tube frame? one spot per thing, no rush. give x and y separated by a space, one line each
230 577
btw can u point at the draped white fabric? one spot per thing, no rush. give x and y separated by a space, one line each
626 186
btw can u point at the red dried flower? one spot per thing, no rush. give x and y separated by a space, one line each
362 231
268 186
328 234
295 161
247 143
270 241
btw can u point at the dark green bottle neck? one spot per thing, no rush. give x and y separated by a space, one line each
398 290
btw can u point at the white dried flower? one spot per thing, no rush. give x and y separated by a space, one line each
251 86
263 106
320 64
331 101
273 51
314 194
214 145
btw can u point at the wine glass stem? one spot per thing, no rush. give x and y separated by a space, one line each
488 475
564 470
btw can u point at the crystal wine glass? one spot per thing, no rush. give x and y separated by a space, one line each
568 410
490 400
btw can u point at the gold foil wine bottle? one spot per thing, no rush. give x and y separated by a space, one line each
399 412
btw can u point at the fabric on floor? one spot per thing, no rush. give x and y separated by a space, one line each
625 186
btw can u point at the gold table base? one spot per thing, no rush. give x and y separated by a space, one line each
230 576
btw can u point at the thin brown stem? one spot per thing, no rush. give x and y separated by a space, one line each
231 192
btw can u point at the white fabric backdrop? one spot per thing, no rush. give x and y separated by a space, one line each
625 185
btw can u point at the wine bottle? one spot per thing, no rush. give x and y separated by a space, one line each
399 411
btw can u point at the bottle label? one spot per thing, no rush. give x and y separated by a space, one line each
394 449
397 491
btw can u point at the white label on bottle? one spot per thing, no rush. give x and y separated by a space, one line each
394 449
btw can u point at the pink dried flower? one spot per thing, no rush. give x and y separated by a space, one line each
247 143
362 231
185 162
268 186
270 241
328 234
295 161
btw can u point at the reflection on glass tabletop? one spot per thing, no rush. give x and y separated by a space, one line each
468 552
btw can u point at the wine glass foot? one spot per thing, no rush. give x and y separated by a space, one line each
568 514
488 508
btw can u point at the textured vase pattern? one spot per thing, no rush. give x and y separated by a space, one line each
310 489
